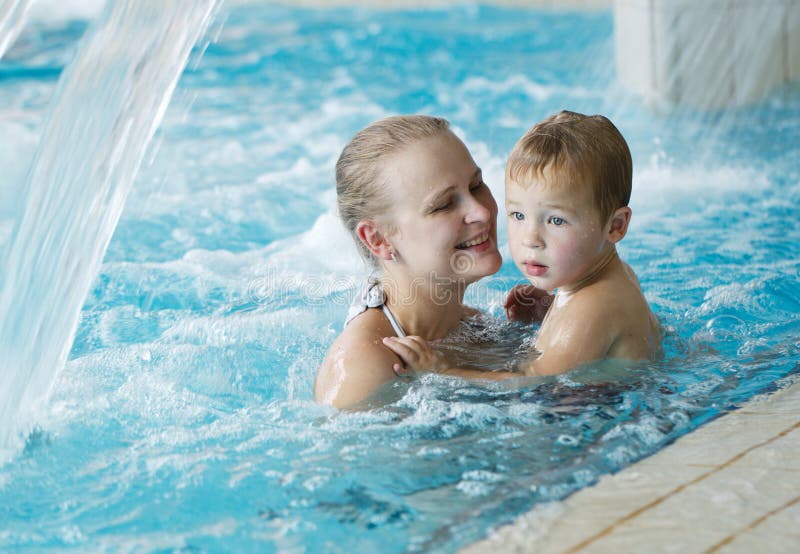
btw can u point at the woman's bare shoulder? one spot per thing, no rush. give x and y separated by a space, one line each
357 363
362 339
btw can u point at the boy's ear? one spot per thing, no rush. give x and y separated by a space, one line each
373 238
618 224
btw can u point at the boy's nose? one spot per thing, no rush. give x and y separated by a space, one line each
532 238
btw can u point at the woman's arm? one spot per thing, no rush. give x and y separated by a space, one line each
416 354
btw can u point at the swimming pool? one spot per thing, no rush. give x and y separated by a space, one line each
184 418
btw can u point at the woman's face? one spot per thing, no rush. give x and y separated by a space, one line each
443 219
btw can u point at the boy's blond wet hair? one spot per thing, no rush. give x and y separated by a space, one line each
590 148
361 191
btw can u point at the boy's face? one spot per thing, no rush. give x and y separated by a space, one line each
555 233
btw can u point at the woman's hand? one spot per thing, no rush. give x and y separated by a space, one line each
416 354
526 304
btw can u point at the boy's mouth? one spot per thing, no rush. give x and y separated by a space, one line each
480 239
534 270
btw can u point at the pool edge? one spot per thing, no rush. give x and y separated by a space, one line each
742 495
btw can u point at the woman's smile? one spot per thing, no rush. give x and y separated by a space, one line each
480 240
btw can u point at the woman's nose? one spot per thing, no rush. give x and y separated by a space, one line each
480 210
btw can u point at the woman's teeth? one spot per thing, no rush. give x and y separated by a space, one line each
481 239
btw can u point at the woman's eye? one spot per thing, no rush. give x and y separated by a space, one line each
555 220
476 186
519 216
442 207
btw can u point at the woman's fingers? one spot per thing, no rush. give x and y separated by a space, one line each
415 352
418 343
401 347
400 370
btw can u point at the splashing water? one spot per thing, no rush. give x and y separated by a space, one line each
106 109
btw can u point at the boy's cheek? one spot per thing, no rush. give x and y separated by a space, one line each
513 240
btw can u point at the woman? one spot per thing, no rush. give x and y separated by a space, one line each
415 202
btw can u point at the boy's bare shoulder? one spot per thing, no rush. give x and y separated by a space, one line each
591 311
618 290
596 302
357 363
621 303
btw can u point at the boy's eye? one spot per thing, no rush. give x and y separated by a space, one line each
555 220
442 207
519 216
476 186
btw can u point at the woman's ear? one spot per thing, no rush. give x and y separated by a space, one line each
374 239
618 224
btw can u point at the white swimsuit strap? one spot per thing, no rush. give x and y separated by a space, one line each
372 295
393 321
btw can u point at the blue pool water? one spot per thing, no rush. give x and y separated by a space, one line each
184 418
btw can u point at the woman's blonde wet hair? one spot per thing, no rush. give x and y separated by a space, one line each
361 190
588 147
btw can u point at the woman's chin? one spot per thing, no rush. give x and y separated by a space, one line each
493 264
488 263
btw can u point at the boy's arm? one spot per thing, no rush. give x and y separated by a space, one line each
416 354
578 337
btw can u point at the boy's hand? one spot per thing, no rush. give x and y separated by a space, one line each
526 303
415 353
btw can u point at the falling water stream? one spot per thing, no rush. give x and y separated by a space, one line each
108 104
12 18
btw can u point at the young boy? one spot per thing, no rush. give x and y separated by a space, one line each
568 183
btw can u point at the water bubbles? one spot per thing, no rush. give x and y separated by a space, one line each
478 482
680 420
621 455
315 482
567 440
726 327
432 452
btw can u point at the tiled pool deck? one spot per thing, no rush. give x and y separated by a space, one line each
731 486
